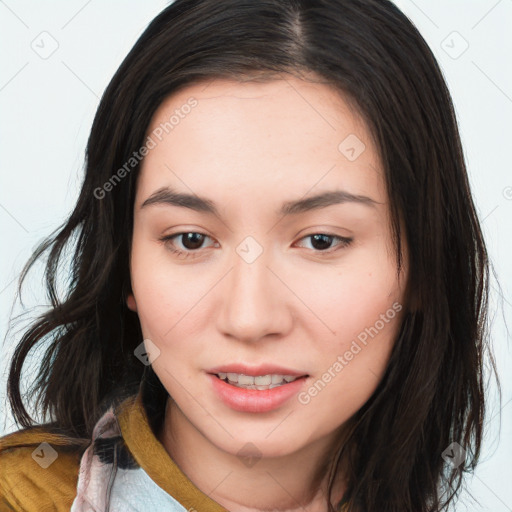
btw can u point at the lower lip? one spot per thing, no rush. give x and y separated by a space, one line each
254 400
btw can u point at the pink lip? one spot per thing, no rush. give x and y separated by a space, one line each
254 400
264 369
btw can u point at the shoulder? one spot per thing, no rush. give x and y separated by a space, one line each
38 471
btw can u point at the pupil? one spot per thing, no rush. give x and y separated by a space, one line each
325 238
194 239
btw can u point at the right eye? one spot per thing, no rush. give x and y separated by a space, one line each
191 242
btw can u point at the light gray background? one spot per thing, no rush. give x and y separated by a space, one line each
48 100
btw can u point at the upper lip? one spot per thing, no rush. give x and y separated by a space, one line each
262 369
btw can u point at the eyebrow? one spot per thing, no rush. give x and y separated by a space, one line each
168 196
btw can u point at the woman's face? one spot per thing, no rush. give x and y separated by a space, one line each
274 196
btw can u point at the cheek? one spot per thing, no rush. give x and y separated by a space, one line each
165 293
350 368
352 295
158 306
360 304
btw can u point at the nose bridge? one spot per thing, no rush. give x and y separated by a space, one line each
252 305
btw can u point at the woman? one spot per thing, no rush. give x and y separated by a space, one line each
279 279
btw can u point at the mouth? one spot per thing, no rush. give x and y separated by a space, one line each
256 388
257 382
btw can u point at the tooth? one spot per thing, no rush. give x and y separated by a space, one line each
274 386
245 379
222 375
263 380
289 378
261 388
276 379
251 386
233 377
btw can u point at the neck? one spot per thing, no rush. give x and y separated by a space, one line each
292 482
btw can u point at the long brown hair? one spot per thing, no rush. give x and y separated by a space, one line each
432 393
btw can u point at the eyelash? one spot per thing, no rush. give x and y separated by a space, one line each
344 242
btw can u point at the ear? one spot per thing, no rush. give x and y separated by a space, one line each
130 302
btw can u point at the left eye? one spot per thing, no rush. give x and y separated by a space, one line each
319 241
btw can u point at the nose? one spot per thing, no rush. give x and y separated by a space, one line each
254 302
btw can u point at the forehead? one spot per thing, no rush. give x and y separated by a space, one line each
278 137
